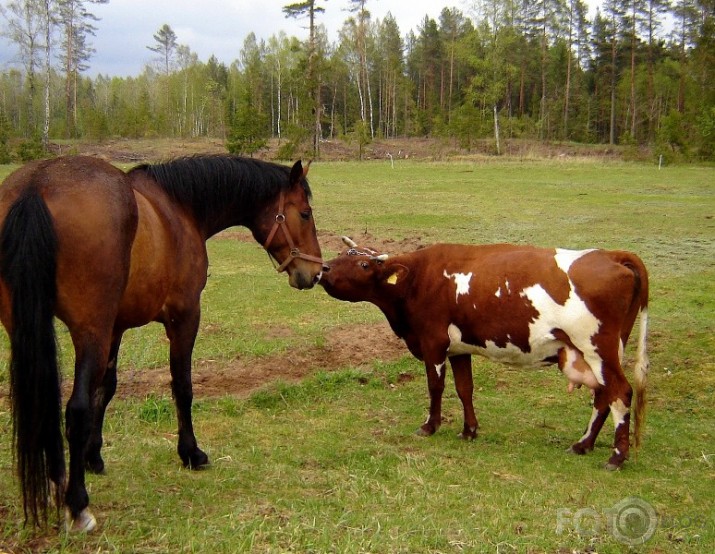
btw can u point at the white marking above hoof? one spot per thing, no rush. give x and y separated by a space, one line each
85 522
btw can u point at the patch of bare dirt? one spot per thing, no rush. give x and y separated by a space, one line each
330 242
122 150
348 346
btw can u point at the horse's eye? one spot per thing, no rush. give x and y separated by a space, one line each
364 265
305 215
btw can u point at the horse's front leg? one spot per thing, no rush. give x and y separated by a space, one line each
181 331
100 400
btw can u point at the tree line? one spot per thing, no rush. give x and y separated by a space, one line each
638 72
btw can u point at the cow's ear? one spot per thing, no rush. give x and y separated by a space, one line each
395 275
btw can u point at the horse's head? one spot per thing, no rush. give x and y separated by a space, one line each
291 237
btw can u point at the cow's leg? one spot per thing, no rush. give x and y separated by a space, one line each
462 370
614 398
100 400
598 417
435 383
620 404
182 335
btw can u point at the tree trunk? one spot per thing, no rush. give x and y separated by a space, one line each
48 74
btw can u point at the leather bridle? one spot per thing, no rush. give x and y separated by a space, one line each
280 223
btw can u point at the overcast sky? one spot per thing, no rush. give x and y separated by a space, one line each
218 27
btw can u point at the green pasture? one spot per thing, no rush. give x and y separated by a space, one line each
331 464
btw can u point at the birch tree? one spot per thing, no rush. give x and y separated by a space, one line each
25 30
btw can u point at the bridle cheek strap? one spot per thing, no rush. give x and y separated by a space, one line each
280 223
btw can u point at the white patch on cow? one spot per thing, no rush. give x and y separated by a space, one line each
509 354
619 412
573 317
438 368
462 282
565 258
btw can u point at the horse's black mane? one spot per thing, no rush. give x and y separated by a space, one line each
209 184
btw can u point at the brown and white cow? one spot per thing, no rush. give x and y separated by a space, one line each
516 304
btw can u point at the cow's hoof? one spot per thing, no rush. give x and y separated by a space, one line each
615 462
468 435
425 431
85 522
577 449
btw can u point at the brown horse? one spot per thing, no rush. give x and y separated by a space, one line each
106 251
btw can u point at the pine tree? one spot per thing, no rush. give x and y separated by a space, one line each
310 9
166 44
76 23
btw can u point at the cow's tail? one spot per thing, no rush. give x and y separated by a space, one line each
641 378
28 266
639 308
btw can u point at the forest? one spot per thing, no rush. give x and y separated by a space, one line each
636 72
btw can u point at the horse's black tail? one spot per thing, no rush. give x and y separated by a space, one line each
28 266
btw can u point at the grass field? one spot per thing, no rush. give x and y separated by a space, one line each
331 464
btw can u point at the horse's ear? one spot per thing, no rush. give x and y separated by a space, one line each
297 172
306 169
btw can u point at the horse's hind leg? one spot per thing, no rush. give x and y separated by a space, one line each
100 400
91 358
182 331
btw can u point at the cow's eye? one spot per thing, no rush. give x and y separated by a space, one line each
364 265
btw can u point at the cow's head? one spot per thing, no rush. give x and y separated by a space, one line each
363 274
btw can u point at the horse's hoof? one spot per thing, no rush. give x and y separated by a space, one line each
198 460
613 467
85 522
95 466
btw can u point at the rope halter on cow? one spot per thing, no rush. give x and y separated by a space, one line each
355 251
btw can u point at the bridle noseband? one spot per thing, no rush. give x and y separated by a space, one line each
280 222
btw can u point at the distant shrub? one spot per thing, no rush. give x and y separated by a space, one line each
30 149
